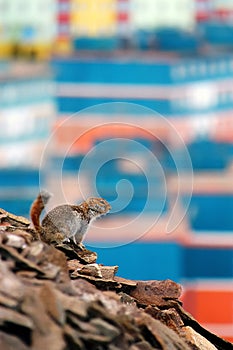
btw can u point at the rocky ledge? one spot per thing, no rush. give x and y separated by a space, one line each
59 297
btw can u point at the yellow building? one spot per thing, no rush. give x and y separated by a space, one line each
93 18
27 27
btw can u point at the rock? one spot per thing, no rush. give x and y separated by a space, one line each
11 318
198 340
20 262
188 320
162 336
105 328
84 255
60 298
170 317
72 305
16 221
46 330
126 284
15 240
73 339
10 286
156 293
142 345
52 303
96 270
11 342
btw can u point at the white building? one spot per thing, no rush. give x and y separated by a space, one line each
152 14
28 22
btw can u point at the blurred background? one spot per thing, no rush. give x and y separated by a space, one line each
58 57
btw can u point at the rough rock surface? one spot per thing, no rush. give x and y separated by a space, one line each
59 298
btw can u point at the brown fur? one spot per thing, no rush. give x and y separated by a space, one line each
66 221
37 207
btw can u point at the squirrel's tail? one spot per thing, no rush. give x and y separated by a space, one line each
37 207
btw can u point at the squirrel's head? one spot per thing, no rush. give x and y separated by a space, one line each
98 206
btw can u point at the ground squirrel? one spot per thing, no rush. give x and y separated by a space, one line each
66 221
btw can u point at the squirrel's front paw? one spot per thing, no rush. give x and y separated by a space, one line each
66 240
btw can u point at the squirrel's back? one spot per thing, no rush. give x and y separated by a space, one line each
66 221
